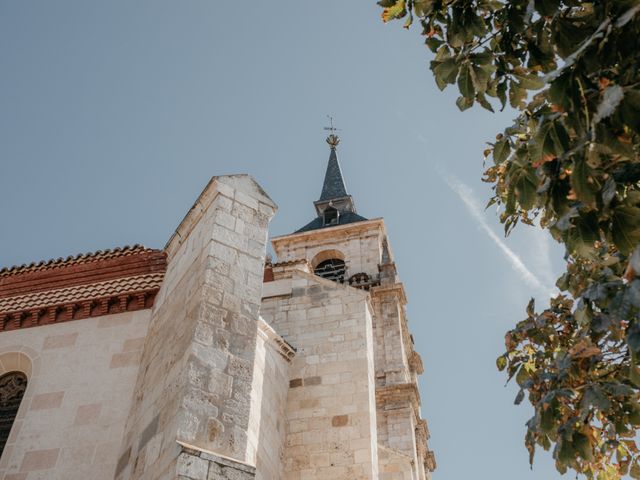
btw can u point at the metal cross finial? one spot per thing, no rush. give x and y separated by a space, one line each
331 128
332 139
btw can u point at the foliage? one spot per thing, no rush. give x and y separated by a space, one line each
571 161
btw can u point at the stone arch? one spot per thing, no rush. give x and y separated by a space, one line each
326 255
22 359
16 362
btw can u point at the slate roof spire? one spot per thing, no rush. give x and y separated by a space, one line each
333 186
335 206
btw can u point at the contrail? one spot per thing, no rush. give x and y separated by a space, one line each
543 265
473 207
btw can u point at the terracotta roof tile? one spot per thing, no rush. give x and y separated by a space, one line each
81 293
75 259
81 286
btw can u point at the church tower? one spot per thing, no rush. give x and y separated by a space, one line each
335 296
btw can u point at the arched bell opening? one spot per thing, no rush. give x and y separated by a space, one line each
333 269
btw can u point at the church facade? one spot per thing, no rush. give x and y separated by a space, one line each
209 360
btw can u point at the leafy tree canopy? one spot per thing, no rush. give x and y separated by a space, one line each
570 160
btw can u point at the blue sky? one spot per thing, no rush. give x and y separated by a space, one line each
114 115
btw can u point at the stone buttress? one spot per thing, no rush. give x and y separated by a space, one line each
192 410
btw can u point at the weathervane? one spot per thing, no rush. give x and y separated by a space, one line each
333 140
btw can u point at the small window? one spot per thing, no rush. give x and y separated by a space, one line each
333 269
331 216
12 387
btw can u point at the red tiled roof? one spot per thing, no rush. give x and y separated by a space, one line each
75 259
87 285
81 293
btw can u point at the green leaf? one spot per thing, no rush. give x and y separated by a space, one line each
525 183
501 151
583 316
445 71
423 7
547 7
465 82
482 100
517 95
581 238
433 43
582 446
580 182
625 228
547 419
531 307
481 72
550 141
565 451
630 108
501 362
464 103
519 397
530 81
568 35
634 374
633 339
501 92
595 397
396 10
635 470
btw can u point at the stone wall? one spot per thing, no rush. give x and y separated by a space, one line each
193 464
196 374
330 414
81 376
269 402
397 365
395 465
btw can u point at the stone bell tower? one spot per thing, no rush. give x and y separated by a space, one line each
341 253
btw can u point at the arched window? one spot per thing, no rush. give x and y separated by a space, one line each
12 387
332 269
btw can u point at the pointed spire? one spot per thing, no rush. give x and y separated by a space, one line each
333 186
334 192
335 206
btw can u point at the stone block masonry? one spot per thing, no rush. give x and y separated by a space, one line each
72 418
196 465
331 410
196 372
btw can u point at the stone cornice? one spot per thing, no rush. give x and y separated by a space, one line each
415 362
281 345
280 270
399 395
430 461
393 289
330 232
